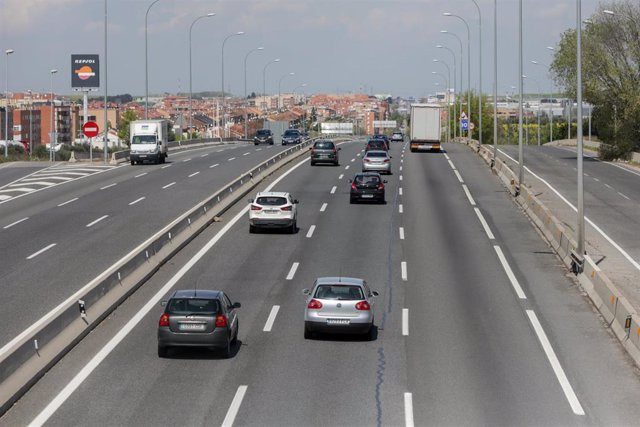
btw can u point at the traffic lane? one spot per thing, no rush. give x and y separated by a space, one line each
83 248
578 335
484 363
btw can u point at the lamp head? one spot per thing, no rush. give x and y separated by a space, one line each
447 14
209 15
54 71
8 51
239 33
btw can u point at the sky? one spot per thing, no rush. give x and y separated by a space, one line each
333 46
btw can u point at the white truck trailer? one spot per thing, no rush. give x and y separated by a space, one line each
425 127
148 141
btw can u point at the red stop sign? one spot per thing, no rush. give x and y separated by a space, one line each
90 129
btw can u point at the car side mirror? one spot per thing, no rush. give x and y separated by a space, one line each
305 292
384 181
339 148
391 157
236 305
295 201
250 200
375 293
163 303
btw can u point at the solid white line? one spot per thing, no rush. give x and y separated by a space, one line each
292 272
193 174
555 364
403 269
271 318
97 221
310 232
15 223
510 275
405 322
235 406
46 248
598 229
68 201
400 191
446 156
484 224
346 167
136 201
186 160
323 207
341 176
139 175
623 168
401 233
84 373
167 166
458 176
408 410
623 196
233 158
466 191
169 185
451 164
109 186
400 208
213 166
333 189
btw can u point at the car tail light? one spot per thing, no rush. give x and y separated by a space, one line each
164 320
381 186
314 304
286 208
366 160
387 160
256 208
221 321
313 151
353 186
363 305
335 150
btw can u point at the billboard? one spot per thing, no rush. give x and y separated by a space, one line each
337 128
85 72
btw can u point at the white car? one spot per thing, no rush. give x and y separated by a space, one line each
273 210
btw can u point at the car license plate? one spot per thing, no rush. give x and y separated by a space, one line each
338 321
367 196
191 327
271 211
142 155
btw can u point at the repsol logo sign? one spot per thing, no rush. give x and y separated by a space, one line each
84 61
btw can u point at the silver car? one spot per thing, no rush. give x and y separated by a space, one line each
376 161
339 305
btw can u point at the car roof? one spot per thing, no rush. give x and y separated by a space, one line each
338 280
272 194
196 293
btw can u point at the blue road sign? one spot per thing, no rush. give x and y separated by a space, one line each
464 124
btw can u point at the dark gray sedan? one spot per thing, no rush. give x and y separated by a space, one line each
198 318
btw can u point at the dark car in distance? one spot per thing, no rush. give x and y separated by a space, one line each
325 151
263 136
367 186
198 318
291 136
377 144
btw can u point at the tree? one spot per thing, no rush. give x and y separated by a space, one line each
123 129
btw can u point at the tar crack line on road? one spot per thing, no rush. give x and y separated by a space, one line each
379 381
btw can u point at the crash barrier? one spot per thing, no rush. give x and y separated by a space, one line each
619 313
28 356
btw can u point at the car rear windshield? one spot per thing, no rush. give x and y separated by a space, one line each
376 154
271 201
339 292
324 145
366 179
291 133
193 306
377 144
263 132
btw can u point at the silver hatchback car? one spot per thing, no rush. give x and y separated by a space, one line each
339 305
376 161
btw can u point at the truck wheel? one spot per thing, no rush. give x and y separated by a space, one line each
133 162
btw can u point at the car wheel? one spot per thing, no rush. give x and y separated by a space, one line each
252 229
255 143
307 334
271 143
370 335
352 200
133 162
336 164
162 351
234 341
226 351
293 228
313 163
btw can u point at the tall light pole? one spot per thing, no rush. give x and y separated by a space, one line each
580 248
479 72
53 135
448 79
146 61
455 119
495 82
224 125
264 80
246 115
280 83
208 15
468 68
6 107
520 112
106 86
461 68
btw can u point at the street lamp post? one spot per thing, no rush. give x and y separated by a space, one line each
279 83
495 82
461 68
448 79
224 125
53 135
6 107
520 111
455 119
264 81
146 63
468 68
479 72
246 115
580 248
208 15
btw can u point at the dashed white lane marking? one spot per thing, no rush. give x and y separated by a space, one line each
341 176
186 160
400 208
246 154
596 179
451 164
484 224
458 176
92 223
193 174
405 322
68 201
310 232
333 189
346 167
235 406
586 174
167 166
232 158
271 318
576 407
446 156
608 186
292 271
466 191
358 154
140 174
213 166
205 155
15 223
46 248
401 233
400 177
323 207
258 149
403 270
219 151
408 410
169 185
136 201
401 160
400 168
623 196
353 160
400 191
109 186
510 275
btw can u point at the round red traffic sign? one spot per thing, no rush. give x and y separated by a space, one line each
90 129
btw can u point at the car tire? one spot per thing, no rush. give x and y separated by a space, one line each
336 164
226 350
133 162
313 163
271 143
293 228
352 200
252 229
162 351
307 334
255 143
370 335
234 341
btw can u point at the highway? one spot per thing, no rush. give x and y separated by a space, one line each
477 321
82 219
